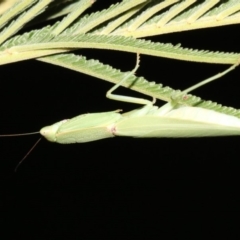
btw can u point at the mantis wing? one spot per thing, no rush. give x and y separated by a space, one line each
83 128
181 122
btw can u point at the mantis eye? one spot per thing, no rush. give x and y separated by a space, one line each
44 131
49 133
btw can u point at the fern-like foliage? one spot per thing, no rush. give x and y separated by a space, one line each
181 17
102 71
36 41
116 28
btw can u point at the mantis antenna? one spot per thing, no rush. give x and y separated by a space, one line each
16 168
18 134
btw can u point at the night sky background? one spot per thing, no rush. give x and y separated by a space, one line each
121 187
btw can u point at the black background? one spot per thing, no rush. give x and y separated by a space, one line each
122 187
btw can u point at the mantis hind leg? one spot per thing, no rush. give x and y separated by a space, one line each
174 103
205 81
208 80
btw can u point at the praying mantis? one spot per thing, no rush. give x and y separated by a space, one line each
149 121
170 120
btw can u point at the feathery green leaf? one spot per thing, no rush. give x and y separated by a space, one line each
139 84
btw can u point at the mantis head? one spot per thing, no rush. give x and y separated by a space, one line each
49 132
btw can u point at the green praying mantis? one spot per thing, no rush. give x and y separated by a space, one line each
149 121
170 120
